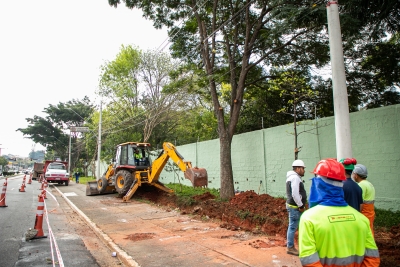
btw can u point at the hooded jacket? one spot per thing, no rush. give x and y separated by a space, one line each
295 193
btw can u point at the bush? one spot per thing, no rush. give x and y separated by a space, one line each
386 218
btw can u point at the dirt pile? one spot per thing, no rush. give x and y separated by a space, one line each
260 214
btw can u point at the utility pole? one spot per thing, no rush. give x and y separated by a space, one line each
340 98
69 155
99 145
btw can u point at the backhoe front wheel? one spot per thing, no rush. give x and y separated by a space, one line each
123 181
102 184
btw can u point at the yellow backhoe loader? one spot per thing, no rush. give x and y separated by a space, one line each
132 167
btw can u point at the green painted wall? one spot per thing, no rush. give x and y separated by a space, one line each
261 158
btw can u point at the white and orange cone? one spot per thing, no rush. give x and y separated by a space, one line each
39 218
42 187
30 179
3 195
22 189
45 188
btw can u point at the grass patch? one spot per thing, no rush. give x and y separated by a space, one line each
243 214
185 193
259 218
386 218
189 191
84 180
185 201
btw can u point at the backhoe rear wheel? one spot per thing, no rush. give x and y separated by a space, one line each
123 181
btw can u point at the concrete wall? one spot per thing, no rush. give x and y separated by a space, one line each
261 158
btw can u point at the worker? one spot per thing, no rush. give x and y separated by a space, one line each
332 233
295 202
77 174
352 191
138 157
360 174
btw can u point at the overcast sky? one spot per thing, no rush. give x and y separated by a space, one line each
51 52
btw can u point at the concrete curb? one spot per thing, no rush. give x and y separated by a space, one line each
121 254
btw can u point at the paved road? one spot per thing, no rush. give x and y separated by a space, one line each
146 235
141 234
20 215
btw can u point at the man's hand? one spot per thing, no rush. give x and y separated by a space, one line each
302 208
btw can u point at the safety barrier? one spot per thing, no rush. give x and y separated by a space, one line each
41 213
53 240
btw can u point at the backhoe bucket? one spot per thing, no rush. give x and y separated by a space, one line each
198 176
92 189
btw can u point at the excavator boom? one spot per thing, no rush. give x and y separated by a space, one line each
198 176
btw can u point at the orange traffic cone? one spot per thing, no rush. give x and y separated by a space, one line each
3 195
45 188
42 188
30 179
39 218
22 189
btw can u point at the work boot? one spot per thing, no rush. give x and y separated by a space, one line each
292 251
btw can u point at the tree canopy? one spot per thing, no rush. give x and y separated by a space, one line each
239 42
52 131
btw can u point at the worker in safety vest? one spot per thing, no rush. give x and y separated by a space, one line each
332 233
360 174
138 157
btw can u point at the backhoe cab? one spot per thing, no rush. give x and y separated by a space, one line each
132 167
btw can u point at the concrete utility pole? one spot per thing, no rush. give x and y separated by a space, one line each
69 155
340 98
99 146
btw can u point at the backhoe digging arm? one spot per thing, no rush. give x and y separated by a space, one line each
198 176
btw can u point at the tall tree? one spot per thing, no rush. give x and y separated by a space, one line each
229 39
299 97
233 40
3 162
134 85
52 130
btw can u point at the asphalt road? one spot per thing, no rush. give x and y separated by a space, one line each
20 215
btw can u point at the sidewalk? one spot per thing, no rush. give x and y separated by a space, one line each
145 235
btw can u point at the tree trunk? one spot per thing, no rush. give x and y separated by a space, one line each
226 174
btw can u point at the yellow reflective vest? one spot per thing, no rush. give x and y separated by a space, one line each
336 236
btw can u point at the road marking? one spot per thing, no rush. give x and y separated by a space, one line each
170 237
70 194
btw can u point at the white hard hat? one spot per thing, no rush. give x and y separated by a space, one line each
298 163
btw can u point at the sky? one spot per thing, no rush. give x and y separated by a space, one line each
52 51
